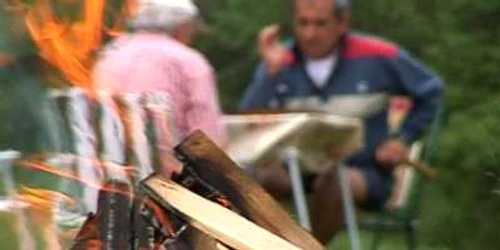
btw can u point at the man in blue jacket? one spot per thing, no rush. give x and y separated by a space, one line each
329 68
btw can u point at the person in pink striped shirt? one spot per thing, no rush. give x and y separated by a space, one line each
156 56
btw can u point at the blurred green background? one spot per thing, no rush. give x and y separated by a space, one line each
458 38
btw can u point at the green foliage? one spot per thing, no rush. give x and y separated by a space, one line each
231 45
458 39
462 209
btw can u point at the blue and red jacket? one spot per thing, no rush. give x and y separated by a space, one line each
368 73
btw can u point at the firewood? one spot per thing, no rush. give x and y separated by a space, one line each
213 219
252 201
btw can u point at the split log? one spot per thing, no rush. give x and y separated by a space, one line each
213 219
212 165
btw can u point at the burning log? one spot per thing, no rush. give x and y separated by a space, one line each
88 237
201 155
124 222
110 227
212 204
215 220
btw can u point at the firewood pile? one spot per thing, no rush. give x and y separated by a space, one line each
212 204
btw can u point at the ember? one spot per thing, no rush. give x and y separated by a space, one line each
138 221
150 220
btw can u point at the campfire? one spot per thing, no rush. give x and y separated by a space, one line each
102 199
69 42
211 204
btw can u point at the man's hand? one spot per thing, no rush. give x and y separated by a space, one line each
271 50
392 153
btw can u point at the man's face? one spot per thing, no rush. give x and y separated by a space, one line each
316 27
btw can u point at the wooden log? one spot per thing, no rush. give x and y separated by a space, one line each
201 241
252 201
213 219
422 168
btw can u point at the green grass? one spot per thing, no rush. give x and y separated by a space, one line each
391 241
8 238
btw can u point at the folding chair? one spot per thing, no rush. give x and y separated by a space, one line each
403 209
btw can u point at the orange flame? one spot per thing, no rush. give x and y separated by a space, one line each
70 46
72 175
43 198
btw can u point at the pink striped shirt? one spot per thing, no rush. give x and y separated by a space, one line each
146 62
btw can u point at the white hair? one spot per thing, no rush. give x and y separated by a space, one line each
162 15
342 4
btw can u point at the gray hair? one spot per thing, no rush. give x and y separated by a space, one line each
160 18
340 6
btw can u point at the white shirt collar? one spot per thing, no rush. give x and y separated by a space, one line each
320 70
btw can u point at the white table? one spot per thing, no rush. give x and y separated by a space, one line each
318 140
